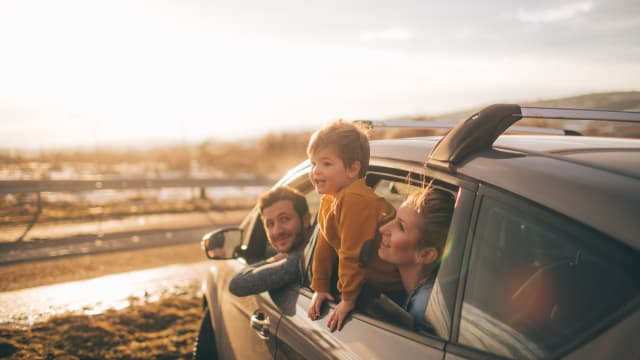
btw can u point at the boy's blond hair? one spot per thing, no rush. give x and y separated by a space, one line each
350 142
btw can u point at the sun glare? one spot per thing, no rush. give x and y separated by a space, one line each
89 73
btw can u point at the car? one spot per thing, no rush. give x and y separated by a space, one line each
542 256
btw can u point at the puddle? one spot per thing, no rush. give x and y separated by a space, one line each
28 306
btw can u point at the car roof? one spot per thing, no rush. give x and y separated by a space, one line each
595 181
613 154
592 180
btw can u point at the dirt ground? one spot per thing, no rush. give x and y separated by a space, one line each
25 275
163 330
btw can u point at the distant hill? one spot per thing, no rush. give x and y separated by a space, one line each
627 101
624 101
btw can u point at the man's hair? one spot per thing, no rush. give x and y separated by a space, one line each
350 142
435 207
284 193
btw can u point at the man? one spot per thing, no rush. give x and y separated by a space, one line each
286 219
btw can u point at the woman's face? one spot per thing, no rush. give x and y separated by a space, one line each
400 237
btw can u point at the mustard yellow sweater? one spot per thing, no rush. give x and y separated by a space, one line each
346 221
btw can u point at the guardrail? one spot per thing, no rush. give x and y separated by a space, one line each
40 186
24 186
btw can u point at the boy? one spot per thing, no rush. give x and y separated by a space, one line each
349 215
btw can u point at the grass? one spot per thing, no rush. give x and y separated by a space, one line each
163 330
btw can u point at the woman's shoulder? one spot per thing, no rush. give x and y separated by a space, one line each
417 301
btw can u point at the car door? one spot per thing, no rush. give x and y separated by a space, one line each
246 325
364 336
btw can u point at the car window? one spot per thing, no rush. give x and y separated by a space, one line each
538 282
313 200
257 244
394 191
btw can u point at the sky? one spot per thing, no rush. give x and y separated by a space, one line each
95 73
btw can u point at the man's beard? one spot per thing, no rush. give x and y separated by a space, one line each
299 239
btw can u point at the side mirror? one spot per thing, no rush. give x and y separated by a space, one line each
222 243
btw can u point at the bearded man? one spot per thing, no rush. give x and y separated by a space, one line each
285 216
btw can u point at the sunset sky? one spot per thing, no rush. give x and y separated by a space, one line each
94 73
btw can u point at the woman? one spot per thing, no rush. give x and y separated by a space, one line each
414 241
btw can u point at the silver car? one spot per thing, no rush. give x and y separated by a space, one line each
542 261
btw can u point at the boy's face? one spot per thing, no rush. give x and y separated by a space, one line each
329 173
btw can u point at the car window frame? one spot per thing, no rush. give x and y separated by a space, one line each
416 177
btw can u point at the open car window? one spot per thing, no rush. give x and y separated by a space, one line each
394 189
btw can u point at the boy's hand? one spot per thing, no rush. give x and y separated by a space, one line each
316 303
336 319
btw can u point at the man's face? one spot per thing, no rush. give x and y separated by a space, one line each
284 226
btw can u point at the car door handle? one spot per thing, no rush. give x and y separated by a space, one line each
260 323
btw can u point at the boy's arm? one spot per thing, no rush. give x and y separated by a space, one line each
323 259
358 221
267 275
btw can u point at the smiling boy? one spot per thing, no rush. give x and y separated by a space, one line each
349 215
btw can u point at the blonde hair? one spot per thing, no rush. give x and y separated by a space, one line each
435 207
350 142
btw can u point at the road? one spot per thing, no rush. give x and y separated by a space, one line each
11 253
51 240
27 306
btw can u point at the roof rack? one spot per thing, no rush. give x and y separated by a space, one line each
578 114
422 124
480 131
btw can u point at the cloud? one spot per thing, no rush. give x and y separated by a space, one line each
553 14
388 34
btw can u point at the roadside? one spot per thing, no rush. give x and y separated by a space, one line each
159 320
148 328
99 228
160 330
151 252
46 272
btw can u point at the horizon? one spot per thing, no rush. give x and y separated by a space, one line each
79 74
150 144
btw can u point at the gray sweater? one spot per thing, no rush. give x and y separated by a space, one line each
267 275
